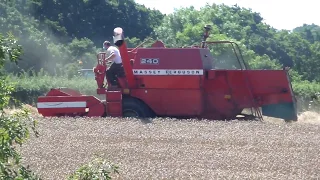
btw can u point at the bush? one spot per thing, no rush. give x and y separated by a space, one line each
28 88
14 130
98 169
307 95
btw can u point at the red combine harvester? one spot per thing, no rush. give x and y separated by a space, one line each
191 82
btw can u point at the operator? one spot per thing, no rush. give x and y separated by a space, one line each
113 55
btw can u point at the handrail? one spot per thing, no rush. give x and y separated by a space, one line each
248 84
234 49
148 39
101 58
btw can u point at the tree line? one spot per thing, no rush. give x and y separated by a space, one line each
63 36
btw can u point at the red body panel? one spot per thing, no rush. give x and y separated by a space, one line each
114 103
127 66
169 82
169 58
175 102
70 106
243 87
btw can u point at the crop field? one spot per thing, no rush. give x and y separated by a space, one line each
179 149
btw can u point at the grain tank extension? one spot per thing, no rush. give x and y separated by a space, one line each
210 81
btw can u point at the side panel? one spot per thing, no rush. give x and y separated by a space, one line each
182 102
151 97
175 102
277 97
70 105
286 111
169 82
163 68
167 58
223 94
270 88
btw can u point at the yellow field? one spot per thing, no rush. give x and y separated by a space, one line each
172 149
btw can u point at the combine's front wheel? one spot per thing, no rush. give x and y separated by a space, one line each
132 107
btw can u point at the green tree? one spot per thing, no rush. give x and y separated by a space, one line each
185 27
14 129
94 19
309 32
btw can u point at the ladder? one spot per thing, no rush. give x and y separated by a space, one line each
255 110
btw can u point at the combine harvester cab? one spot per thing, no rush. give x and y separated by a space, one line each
206 82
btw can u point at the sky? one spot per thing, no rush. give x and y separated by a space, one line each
281 14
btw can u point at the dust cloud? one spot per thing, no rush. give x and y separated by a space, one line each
309 117
42 47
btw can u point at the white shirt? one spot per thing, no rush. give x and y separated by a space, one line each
113 50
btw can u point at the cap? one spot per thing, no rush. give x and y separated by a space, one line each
106 43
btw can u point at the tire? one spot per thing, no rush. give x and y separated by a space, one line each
132 107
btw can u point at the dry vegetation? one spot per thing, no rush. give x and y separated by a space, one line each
171 149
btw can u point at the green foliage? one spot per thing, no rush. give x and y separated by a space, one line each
30 85
5 91
98 169
52 39
14 129
9 49
310 32
94 19
55 41
308 95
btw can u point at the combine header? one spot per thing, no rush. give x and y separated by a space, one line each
206 82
